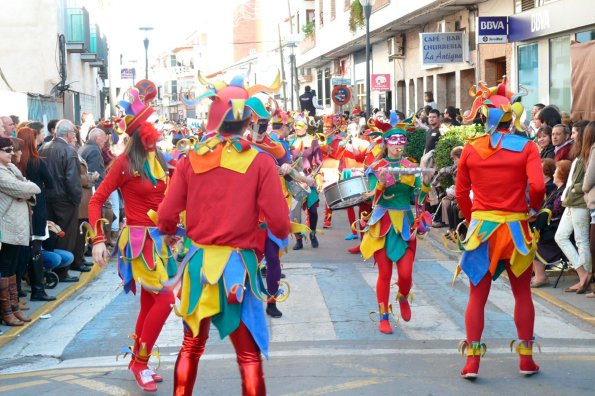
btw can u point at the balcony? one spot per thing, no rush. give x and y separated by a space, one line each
308 43
77 30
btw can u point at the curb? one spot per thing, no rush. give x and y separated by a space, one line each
555 301
15 331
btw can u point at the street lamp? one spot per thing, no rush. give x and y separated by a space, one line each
367 6
146 42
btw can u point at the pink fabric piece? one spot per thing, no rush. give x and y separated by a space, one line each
137 240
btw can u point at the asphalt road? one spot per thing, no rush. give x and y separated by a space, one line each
324 344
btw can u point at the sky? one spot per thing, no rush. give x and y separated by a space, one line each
172 21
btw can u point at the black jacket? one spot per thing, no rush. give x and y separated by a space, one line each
38 174
63 165
306 103
91 153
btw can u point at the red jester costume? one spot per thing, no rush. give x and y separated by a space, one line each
391 230
143 254
498 167
225 185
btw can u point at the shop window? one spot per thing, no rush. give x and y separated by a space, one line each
327 88
560 72
528 73
583 37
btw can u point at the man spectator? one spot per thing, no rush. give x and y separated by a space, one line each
88 123
550 116
561 141
530 122
450 113
91 153
308 101
355 127
9 126
63 200
433 133
429 99
51 130
2 130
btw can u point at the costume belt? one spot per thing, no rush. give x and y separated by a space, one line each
498 216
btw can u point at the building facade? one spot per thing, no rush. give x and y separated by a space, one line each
58 65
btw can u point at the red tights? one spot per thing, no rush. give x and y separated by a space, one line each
154 310
248 358
524 313
385 272
363 207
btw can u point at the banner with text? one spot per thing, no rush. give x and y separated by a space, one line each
381 82
442 48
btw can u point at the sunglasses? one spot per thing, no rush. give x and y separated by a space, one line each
8 150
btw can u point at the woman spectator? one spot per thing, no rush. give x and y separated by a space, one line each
544 142
15 190
34 169
547 247
548 166
54 259
589 188
576 217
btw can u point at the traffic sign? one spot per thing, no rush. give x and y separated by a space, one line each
341 95
180 112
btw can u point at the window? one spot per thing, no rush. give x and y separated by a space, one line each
528 74
320 80
560 72
333 10
361 94
320 13
583 37
172 61
174 90
310 15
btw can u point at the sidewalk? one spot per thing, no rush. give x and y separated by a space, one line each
39 308
572 303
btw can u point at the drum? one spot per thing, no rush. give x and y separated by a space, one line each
299 191
347 193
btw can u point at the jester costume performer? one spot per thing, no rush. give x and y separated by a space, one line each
390 235
498 167
307 147
227 184
143 255
268 248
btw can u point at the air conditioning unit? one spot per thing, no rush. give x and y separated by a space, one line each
396 47
443 26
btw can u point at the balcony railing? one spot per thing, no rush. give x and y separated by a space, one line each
77 30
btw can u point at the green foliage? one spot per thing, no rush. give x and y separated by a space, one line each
455 136
309 29
356 16
416 142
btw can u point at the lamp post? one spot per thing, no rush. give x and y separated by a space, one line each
367 6
146 29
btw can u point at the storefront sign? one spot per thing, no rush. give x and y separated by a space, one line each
441 48
127 74
341 95
550 19
492 30
381 82
340 81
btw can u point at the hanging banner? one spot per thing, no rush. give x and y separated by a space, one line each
441 48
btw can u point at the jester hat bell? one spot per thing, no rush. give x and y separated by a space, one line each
498 104
234 101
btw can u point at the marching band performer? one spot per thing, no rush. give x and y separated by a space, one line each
144 257
391 229
498 167
307 147
225 184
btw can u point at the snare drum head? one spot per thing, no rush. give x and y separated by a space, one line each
347 193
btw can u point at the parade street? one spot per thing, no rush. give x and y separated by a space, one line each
325 343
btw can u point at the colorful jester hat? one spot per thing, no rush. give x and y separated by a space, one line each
135 112
397 134
498 105
234 101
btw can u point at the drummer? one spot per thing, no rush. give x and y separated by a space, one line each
332 152
389 237
307 147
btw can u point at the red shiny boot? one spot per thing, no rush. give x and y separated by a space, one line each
383 322
525 350
354 250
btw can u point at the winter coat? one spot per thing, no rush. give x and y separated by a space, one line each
15 190
63 164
